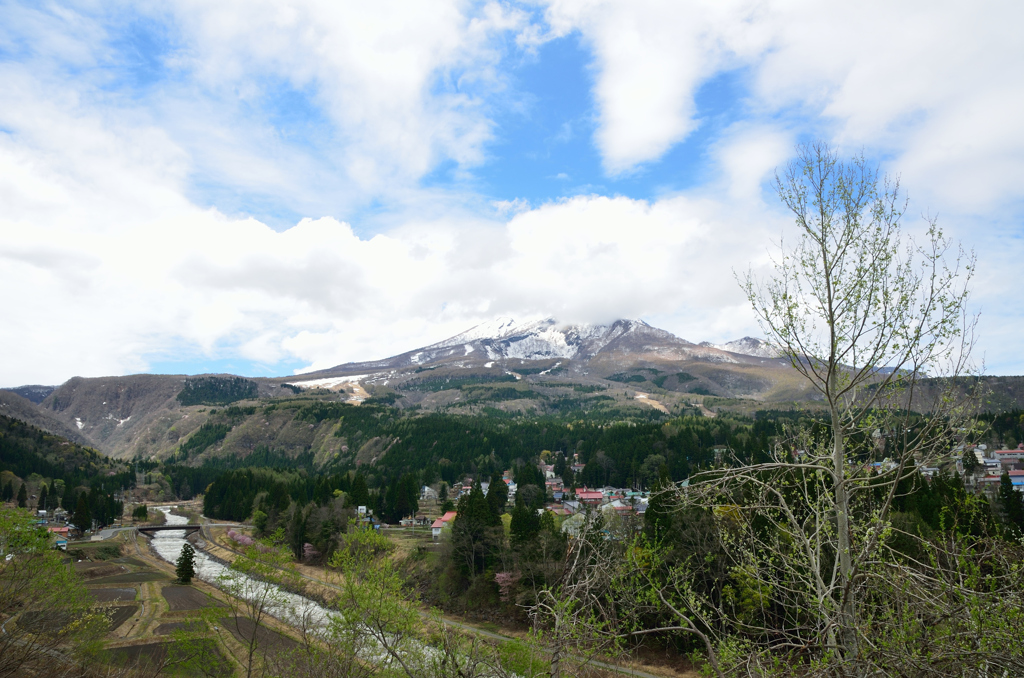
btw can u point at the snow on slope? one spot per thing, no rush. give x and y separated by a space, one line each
505 338
542 339
759 348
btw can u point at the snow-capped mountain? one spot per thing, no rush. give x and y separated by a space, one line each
498 341
759 348
505 338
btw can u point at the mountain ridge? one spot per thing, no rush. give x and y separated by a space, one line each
618 370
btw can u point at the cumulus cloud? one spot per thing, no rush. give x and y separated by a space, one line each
933 86
115 266
650 58
405 86
120 243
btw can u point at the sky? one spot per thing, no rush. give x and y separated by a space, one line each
267 188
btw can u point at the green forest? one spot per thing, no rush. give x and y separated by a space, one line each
216 390
61 474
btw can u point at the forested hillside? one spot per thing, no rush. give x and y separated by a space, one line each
57 473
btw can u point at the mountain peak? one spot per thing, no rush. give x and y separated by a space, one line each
752 346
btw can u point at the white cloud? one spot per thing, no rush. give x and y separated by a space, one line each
406 85
108 258
650 57
111 264
934 86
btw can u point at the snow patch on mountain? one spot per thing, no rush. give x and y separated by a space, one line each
752 346
330 382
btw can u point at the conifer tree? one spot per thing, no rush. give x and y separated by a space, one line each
7 493
41 504
82 517
525 523
497 495
297 531
473 532
22 497
186 565
360 495
1012 503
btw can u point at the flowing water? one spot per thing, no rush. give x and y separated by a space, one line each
288 607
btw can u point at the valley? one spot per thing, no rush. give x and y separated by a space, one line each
464 477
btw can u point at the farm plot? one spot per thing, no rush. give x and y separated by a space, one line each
113 595
181 598
120 614
168 628
242 629
151 656
132 578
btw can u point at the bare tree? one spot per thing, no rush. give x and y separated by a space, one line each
254 584
802 543
576 618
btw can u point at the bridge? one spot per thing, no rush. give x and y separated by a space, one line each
164 528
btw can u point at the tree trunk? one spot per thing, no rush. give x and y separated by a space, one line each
847 629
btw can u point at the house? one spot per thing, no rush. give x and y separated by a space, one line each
591 497
59 534
1009 459
427 492
990 483
441 523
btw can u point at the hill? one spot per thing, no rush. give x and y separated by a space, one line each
504 368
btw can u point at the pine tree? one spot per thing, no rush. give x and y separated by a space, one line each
1012 504
83 517
186 565
22 497
474 530
497 495
7 493
41 504
297 531
525 523
360 495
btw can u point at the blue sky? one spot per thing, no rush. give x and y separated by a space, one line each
264 188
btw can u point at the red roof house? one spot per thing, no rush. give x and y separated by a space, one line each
441 522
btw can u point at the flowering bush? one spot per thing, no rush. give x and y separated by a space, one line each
506 582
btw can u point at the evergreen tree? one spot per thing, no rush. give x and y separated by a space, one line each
658 518
391 510
525 524
411 488
22 497
970 462
1012 504
297 531
41 504
186 565
360 494
82 518
559 466
474 531
497 495
7 493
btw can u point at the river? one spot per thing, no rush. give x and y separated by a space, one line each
288 607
